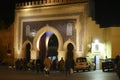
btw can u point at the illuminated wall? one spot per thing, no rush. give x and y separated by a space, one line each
115 40
82 31
108 37
94 32
6 43
67 22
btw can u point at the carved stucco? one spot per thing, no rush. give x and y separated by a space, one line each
56 17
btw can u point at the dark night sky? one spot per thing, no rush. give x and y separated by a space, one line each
107 12
7 11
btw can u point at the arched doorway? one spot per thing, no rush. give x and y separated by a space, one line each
43 31
42 47
28 47
70 51
48 46
53 47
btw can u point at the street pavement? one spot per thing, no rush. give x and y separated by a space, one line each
12 74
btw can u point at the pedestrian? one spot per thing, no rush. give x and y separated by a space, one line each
67 66
61 64
33 65
25 64
38 65
118 66
47 65
54 64
21 64
118 69
17 64
72 66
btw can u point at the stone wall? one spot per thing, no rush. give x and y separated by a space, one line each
6 44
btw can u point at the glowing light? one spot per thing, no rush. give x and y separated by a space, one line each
37 45
18 55
96 46
96 41
33 33
33 55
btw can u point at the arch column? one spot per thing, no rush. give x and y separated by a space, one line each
34 54
78 36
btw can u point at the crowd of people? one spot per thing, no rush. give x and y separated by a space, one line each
45 65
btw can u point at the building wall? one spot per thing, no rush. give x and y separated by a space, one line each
90 30
3 44
109 37
115 40
95 32
6 43
52 15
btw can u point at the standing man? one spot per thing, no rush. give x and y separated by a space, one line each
47 64
67 66
61 64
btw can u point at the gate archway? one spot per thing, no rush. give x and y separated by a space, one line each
43 30
70 48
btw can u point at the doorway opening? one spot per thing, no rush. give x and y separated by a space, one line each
70 51
27 56
97 62
48 46
53 47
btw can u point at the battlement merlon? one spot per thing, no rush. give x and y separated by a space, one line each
41 3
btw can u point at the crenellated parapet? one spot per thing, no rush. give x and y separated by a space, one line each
46 3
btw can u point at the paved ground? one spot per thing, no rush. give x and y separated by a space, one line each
8 74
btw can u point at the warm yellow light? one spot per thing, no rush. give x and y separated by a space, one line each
37 44
97 46
96 41
33 55
18 54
